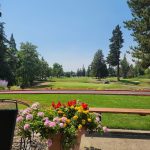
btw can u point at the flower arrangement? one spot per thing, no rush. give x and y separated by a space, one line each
66 120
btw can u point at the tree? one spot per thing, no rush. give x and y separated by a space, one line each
140 25
44 69
98 66
88 73
113 58
57 70
83 71
5 73
131 72
28 66
124 67
12 59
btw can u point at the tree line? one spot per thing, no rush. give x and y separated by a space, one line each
24 65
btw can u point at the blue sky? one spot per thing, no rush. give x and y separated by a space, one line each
66 31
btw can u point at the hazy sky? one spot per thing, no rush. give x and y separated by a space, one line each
66 31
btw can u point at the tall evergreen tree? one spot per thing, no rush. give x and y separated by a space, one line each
4 68
116 41
140 25
98 66
124 67
12 58
83 71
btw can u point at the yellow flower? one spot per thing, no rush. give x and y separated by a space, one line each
79 126
83 121
65 124
68 121
75 117
80 111
86 111
76 108
89 120
60 112
72 107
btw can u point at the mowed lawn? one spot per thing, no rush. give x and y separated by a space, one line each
110 120
89 83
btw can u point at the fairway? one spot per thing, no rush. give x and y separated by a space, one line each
110 120
89 83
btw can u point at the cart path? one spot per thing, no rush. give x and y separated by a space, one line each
102 92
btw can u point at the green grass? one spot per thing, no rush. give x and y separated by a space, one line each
110 120
88 83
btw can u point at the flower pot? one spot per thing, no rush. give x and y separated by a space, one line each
56 141
78 140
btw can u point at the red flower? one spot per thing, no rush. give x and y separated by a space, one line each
58 105
53 104
84 105
72 103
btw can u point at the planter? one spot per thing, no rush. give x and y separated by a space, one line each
7 125
56 141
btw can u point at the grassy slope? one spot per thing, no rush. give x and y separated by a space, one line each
92 83
111 120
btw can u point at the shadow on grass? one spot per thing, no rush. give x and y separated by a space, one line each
44 86
130 82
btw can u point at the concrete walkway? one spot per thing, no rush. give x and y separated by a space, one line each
105 92
117 140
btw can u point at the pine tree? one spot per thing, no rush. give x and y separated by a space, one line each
83 71
4 68
140 25
124 67
113 58
98 66
12 58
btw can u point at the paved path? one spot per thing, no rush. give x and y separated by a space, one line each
104 92
130 140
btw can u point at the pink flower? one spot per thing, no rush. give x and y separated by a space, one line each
105 129
40 114
35 106
46 118
26 127
26 111
49 143
46 123
19 119
63 119
29 117
52 124
56 119
61 125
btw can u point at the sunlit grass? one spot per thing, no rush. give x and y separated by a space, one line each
110 101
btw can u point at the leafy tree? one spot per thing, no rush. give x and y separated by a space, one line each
28 65
113 58
138 69
57 70
124 67
98 66
140 25
44 69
